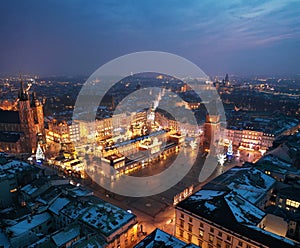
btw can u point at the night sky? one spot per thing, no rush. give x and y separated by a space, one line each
74 37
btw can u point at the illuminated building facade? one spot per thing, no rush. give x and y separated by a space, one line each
228 212
184 128
63 131
21 130
258 132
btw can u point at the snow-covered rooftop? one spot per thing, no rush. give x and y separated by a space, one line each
64 237
271 158
25 225
106 217
79 191
13 166
29 189
252 184
283 239
74 210
58 205
282 152
230 201
206 194
101 215
243 211
159 238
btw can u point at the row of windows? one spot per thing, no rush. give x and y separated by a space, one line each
211 236
292 203
211 240
201 232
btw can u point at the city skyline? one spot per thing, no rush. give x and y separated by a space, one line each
76 38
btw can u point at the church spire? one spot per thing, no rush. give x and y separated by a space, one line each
23 94
34 100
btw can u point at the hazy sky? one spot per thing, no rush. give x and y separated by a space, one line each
78 36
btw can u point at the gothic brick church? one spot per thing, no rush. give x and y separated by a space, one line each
21 130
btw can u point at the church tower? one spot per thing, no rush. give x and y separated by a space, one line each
212 129
38 116
27 121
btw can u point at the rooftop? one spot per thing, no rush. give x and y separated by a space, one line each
159 238
233 208
273 163
106 217
282 152
248 182
65 236
79 191
29 189
14 167
29 224
243 211
114 157
58 205
101 215
267 124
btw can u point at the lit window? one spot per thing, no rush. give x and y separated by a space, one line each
292 203
211 238
201 233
